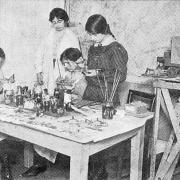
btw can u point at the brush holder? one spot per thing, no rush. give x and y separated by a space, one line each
108 111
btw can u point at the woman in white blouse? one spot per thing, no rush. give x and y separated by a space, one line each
48 68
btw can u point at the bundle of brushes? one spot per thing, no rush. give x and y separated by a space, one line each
108 109
109 99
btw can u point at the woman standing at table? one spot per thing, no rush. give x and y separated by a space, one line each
106 58
49 68
47 65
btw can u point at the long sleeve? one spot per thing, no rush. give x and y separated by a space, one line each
6 71
39 58
120 59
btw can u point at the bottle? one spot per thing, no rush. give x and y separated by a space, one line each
39 104
59 95
38 100
46 100
19 97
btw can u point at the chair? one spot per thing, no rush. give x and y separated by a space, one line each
148 99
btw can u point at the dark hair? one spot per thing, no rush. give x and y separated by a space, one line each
97 24
2 54
58 13
73 54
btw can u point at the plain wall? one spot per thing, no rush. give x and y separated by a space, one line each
23 24
144 28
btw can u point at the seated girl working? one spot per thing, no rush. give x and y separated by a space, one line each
73 79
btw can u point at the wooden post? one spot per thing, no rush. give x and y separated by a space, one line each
137 147
28 155
171 153
155 134
165 156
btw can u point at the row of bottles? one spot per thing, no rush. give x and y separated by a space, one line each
57 103
40 98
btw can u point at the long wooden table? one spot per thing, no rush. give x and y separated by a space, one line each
56 134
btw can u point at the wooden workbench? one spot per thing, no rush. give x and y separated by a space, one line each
171 153
55 134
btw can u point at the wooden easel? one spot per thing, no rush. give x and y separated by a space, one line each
171 153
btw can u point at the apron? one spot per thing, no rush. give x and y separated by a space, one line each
49 53
47 62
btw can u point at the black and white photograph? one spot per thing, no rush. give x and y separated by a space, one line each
89 89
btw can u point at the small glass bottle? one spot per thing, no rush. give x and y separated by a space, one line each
59 95
39 104
19 97
46 100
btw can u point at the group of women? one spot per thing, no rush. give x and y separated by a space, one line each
106 57
59 58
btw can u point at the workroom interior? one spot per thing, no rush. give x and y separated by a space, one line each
89 89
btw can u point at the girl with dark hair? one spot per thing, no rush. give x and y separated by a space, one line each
106 58
60 14
60 38
74 80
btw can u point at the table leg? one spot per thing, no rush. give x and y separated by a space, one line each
28 155
137 147
79 165
155 134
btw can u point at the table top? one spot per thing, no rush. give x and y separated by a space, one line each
74 126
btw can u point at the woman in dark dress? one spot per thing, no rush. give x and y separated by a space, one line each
106 59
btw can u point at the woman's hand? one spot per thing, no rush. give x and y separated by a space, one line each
40 78
91 72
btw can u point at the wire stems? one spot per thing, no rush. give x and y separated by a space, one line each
117 77
100 84
107 98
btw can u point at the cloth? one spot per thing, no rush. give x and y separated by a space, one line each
46 153
108 59
52 48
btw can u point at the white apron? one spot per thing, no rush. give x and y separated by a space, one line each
52 48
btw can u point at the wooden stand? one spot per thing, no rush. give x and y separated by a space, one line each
172 149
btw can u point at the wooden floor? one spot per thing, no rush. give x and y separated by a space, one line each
57 171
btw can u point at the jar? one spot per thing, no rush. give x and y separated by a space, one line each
108 111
